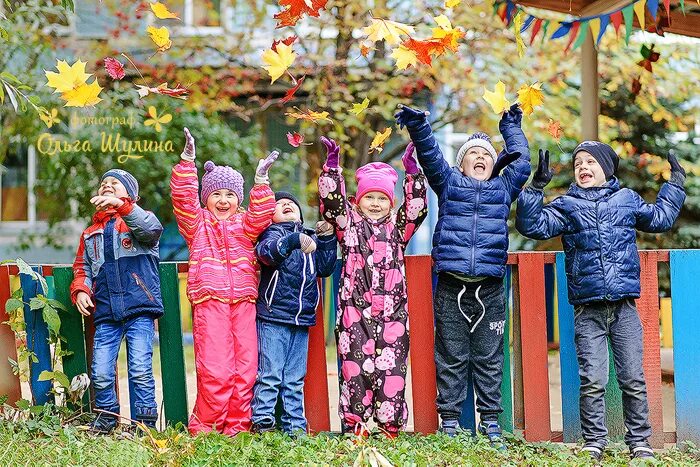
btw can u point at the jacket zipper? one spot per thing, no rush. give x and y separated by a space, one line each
269 297
228 262
301 291
140 283
474 219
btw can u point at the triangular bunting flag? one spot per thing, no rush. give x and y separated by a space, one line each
595 29
544 30
582 33
574 32
667 4
653 6
511 10
563 30
682 6
604 21
639 11
628 13
527 23
535 29
616 20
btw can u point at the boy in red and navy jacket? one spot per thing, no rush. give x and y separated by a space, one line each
116 280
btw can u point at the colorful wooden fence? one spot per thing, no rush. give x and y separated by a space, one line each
526 389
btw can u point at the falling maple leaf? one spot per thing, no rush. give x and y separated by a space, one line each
161 11
452 3
83 96
425 49
177 92
286 41
555 129
296 84
295 9
389 31
296 140
68 77
530 97
379 140
357 109
365 50
277 61
404 57
155 120
160 37
114 68
309 115
497 98
448 35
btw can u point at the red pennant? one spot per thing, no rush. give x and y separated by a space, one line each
502 12
667 4
535 30
616 20
572 36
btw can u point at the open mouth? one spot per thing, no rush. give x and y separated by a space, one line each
585 177
221 210
479 166
287 210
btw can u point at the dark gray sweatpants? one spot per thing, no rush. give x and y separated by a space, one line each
469 325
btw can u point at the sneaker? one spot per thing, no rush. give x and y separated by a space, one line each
491 429
103 424
642 451
593 450
263 427
449 427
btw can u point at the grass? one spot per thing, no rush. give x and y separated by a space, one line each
71 446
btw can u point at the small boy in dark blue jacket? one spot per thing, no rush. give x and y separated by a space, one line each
470 250
292 259
598 221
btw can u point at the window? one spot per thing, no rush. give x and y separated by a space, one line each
17 175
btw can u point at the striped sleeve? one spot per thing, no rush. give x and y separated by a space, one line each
258 217
82 273
184 187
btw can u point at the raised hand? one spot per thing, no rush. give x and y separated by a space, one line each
512 116
544 174
307 243
263 168
324 228
410 164
332 152
188 153
677 171
502 162
407 116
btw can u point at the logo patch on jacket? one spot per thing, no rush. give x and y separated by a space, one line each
127 243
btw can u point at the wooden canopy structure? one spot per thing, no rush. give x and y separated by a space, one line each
684 21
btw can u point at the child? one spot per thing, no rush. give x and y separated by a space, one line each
222 284
372 324
470 250
292 257
597 220
116 279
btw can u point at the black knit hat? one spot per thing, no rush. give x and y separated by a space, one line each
603 154
286 195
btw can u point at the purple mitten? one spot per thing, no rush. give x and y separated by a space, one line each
188 153
332 152
409 160
264 166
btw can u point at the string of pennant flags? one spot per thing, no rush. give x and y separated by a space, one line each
576 29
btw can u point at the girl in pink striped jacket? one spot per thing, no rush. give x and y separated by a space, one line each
222 284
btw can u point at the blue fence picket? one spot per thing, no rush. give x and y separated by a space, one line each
37 341
685 296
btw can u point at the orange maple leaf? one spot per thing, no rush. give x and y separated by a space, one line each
286 41
555 129
425 49
296 9
296 84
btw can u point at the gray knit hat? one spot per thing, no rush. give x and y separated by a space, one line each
126 179
480 140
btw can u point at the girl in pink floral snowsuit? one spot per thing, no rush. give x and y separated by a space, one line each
372 325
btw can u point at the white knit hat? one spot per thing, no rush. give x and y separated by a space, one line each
480 140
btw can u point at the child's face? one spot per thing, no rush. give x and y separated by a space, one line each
223 204
110 186
286 210
587 171
477 163
375 205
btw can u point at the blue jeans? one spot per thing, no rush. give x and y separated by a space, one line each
594 323
282 355
139 332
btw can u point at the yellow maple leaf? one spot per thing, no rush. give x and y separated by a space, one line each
386 30
278 61
160 37
530 97
497 98
83 96
379 140
517 26
161 11
404 57
310 115
452 3
68 77
357 109
449 35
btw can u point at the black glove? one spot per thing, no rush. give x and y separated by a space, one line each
677 172
409 117
513 116
543 174
502 162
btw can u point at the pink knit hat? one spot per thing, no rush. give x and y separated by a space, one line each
218 177
376 176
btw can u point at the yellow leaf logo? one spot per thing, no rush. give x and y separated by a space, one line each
278 61
160 37
155 120
50 118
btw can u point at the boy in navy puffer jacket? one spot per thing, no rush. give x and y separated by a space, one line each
116 280
598 221
470 250
292 258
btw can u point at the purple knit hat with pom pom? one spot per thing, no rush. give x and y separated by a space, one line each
218 177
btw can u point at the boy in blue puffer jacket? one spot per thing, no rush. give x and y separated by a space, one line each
598 221
116 280
292 258
470 250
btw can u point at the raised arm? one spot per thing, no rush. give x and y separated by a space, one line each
660 216
333 202
414 209
428 150
326 252
517 151
144 225
258 217
184 189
